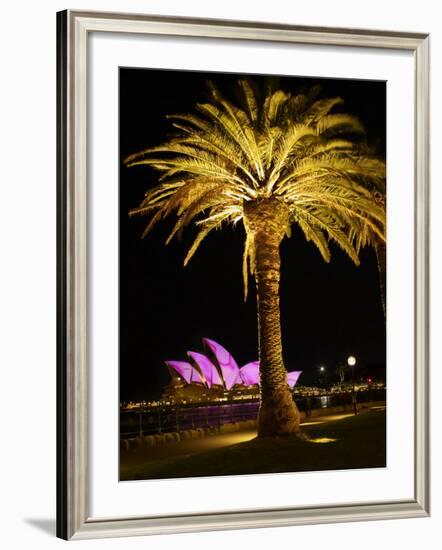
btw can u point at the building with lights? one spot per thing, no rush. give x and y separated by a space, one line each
214 376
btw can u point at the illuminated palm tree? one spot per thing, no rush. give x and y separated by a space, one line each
340 371
381 258
364 236
267 164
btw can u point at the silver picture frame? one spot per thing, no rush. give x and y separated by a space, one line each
73 517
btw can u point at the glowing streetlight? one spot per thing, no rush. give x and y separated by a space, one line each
351 361
322 375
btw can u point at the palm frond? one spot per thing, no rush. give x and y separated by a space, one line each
316 235
328 222
207 228
339 123
273 105
290 147
249 99
321 108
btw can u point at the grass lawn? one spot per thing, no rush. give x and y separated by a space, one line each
358 442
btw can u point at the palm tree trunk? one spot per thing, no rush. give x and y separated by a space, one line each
266 222
381 257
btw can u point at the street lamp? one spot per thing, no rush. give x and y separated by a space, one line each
322 375
351 361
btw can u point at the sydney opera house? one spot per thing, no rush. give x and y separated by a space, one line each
215 374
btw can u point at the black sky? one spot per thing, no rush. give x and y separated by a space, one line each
328 310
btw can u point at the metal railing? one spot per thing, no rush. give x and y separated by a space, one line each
175 418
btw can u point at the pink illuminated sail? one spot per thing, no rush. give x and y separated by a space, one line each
292 377
222 369
249 374
196 377
183 368
207 368
228 367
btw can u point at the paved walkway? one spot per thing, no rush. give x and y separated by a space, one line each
143 455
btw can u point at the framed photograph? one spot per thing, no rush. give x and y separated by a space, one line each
242 275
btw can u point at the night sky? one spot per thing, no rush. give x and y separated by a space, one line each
327 310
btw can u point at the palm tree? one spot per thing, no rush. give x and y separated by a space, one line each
268 164
380 249
364 236
340 371
381 258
